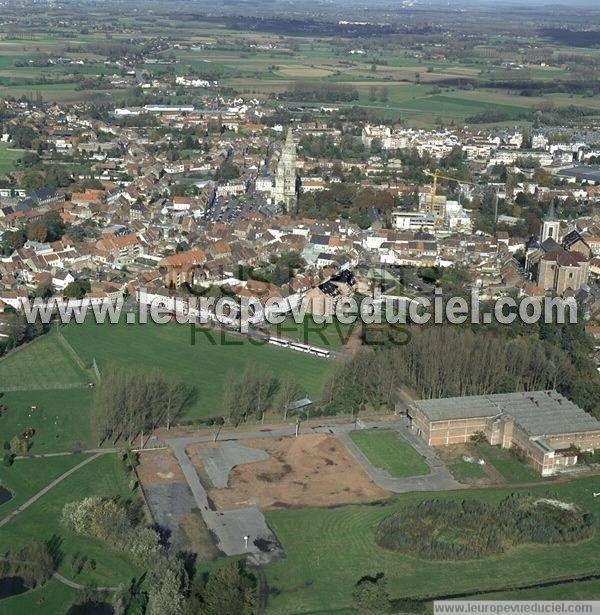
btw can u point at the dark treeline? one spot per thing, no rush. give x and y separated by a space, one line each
573 38
447 361
319 91
531 87
304 27
450 530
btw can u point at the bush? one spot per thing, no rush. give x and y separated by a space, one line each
450 530
108 520
19 445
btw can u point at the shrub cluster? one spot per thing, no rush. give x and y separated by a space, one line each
450 530
109 520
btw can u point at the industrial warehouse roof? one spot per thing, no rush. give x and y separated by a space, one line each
539 413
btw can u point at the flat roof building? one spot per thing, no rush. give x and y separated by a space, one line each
542 424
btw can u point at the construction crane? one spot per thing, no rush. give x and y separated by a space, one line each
437 175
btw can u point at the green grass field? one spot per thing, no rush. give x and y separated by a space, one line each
465 472
581 590
204 365
50 599
385 450
103 477
8 158
28 476
41 364
511 468
61 419
329 550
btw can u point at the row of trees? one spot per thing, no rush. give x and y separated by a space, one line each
130 402
255 391
319 91
168 590
450 360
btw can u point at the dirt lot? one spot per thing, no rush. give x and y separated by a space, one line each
311 470
159 468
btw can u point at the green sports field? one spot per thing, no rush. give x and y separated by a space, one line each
385 450
329 550
205 365
41 364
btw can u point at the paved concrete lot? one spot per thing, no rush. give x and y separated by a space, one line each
168 502
219 461
232 526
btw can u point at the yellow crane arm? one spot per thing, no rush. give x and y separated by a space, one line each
435 175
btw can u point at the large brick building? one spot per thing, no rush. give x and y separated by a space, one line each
542 424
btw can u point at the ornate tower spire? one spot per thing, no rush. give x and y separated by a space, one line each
286 191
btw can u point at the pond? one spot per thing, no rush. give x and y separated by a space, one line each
12 586
5 495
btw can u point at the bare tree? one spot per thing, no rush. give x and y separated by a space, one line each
289 392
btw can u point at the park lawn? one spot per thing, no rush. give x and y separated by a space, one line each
8 158
206 365
328 550
40 364
41 521
28 476
385 450
578 590
511 468
52 598
61 419
332 335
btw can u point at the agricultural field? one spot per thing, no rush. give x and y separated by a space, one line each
41 364
204 365
421 88
384 449
104 477
580 590
328 550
